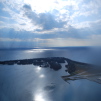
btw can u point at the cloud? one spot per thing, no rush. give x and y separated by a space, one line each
65 21
80 31
9 39
45 20
38 41
27 7
62 42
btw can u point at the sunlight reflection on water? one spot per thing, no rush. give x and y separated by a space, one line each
34 83
38 69
42 76
37 50
39 97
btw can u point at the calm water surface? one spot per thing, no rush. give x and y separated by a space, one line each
32 83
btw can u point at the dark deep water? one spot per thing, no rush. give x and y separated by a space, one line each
32 83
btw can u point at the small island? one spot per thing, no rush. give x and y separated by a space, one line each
77 70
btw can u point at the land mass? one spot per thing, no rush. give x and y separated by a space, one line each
77 70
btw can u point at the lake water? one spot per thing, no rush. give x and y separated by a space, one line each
32 83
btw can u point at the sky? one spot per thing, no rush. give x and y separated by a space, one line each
50 23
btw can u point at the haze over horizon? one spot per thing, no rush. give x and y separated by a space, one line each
50 23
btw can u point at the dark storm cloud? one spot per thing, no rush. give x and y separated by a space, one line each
45 20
